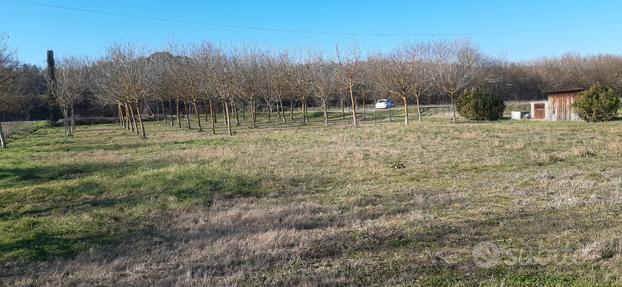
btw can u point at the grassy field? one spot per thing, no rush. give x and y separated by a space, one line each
431 204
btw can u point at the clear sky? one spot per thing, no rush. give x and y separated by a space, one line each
517 30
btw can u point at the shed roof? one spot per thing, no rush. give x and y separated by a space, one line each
567 91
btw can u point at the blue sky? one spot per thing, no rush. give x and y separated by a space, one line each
517 30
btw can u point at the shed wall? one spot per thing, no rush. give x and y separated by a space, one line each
560 107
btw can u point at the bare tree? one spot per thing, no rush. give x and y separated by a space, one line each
208 57
180 72
350 70
70 85
106 86
7 65
325 82
189 77
457 65
420 59
282 82
162 83
249 64
123 78
224 84
271 88
404 73
395 73
7 77
366 86
303 86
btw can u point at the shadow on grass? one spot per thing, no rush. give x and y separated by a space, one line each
25 176
43 246
442 254
64 220
224 242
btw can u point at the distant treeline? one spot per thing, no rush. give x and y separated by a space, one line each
276 80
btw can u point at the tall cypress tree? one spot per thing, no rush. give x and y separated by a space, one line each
53 108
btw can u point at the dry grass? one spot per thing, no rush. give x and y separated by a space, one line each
315 206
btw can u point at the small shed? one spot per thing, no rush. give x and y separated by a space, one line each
557 107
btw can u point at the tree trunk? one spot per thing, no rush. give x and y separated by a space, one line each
453 107
224 115
205 108
163 112
128 117
157 114
177 112
418 108
194 103
305 116
140 120
214 112
282 111
253 112
405 110
228 118
269 104
170 110
187 113
65 124
243 111
237 115
353 104
291 110
364 107
2 139
306 111
118 120
325 108
121 119
213 116
343 108
134 126
73 122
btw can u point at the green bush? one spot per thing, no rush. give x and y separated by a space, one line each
599 103
479 104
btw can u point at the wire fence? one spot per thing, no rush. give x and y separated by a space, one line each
12 128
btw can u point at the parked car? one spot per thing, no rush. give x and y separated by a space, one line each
384 104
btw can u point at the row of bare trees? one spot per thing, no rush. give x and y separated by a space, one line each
197 84
200 78
195 79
